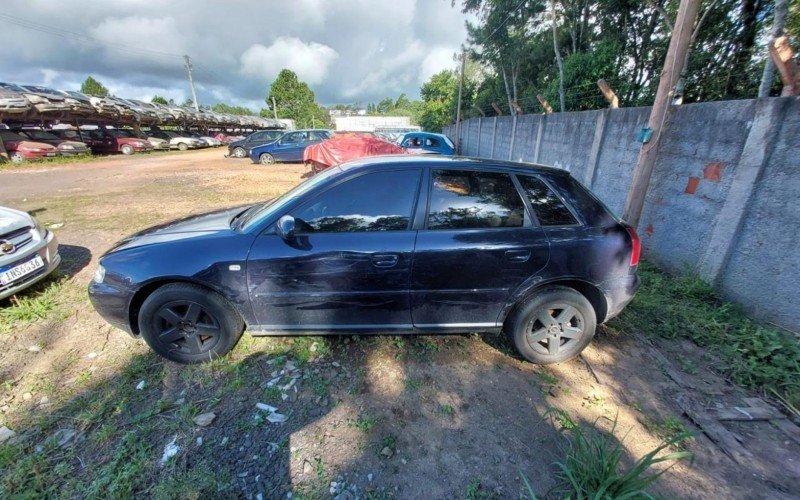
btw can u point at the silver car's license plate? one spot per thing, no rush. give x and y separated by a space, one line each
21 270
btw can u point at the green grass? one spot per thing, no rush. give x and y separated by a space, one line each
753 355
592 466
476 492
365 423
43 300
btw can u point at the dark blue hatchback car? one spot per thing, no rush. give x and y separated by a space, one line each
391 245
288 147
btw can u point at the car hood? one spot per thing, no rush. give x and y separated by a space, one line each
34 145
182 229
11 220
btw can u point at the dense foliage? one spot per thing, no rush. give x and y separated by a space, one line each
295 100
621 41
93 87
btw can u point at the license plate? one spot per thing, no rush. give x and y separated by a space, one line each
21 270
50 154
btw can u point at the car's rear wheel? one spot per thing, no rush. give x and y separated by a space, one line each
126 149
239 152
183 146
266 159
187 323
16 157
553 326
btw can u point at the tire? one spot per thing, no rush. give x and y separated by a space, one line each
568 311
172 321
16 157
183 146
266 159
239 152
126 149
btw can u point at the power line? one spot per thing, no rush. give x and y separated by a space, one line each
80 37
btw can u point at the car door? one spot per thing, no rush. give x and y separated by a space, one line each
349 264
283 149
479 244
255 139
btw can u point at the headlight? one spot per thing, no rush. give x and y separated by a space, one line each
67 146
39 228
99 274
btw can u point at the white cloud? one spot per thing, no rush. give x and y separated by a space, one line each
311 61
438 59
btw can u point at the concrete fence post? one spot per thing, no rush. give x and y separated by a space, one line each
539 132
594 154
480 136
513 138
494 136
755 154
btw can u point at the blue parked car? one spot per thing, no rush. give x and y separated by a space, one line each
288 147
395 245
427 143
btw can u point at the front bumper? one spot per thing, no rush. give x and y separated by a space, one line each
111 303
38 155
48 251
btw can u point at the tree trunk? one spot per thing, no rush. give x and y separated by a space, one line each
508 93
778 23
559 62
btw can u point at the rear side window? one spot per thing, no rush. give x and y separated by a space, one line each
469 200
546 205
380 201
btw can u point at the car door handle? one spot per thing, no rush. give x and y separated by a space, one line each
385 260
518 255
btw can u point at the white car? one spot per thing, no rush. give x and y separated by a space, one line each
178 141
28 251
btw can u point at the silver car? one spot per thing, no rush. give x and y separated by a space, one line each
28 251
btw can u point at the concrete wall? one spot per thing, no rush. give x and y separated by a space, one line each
724 199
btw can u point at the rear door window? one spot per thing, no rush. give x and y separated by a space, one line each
463 199
547 206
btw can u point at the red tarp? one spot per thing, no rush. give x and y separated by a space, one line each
340 149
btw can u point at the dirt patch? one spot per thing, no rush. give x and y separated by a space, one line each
406 417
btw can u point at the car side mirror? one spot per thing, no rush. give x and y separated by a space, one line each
286 227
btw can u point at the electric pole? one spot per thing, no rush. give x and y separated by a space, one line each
676 54
191 81
458 109
274 108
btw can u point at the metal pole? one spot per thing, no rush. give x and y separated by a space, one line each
274 108
191 81
458 109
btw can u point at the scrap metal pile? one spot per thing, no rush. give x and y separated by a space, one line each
29 103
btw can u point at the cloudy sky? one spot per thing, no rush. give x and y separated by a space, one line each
348 51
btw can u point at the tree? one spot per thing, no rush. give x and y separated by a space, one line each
188 103
231 110
157 99
439 95
93 87
295 100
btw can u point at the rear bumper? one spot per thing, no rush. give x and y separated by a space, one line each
619 292
48 251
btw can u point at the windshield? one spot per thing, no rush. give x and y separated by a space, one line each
119 133
260 212
10 136
40 134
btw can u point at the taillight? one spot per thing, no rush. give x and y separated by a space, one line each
636 245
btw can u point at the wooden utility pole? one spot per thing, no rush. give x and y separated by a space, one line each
546 105
676 54
608 93
458 108
781 54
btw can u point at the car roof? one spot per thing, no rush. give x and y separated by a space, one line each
422 134
427 161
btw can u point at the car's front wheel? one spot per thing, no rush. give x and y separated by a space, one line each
183 146
126 149
187 323
553 326
239 152
16 157
266 159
